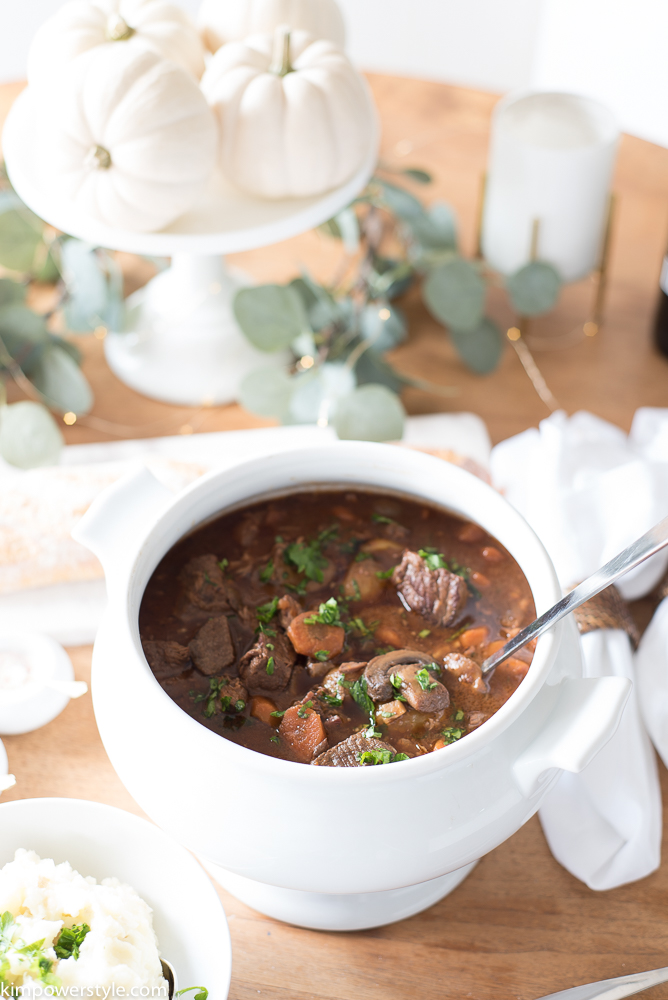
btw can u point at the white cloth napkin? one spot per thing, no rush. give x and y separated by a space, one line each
588 491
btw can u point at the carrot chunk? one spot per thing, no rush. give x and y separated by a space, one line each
261 708
303 731
309 640
479 579
491 554
473 636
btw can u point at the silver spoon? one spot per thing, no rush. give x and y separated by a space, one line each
644 547
613 989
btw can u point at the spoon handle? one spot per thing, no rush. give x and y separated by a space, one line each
650 543
613 989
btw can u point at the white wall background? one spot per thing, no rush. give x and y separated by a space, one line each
614 50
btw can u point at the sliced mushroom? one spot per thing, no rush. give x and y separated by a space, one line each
421 689
467 671
379 670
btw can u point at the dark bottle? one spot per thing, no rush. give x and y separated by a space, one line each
661 319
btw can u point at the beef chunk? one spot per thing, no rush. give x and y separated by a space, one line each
437 594
232 691
212 650
288 608
268 663
467 671
204 589
346 753
166 659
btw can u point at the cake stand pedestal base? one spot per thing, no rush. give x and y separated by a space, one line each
324 912
184 345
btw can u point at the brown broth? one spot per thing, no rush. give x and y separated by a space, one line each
499 600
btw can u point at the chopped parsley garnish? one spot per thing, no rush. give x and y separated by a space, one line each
302 711
396 681
425 681
434 666
327 614
224 563
459 715
225 702
308 559
424 633
240 705
381 519
279 715
364 630
208 579
270 665
265 612
360 694
459 631
70 940
361 556
367 757
451 735
434 560
267 572
356 591
203 992
372 731
331 700
274 739
212 695
385 574
323 655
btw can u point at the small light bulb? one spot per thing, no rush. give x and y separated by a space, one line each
69 418
100 332
384 314
513 333
306 362
590 329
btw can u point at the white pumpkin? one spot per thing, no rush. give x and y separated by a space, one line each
130 138
222 21
295 117
80 25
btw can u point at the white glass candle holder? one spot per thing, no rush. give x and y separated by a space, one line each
550 166
36 682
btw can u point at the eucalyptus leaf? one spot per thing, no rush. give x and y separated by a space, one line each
271 316
67 346
480 349
267 392
24 335
49 271
455 294
86 283
331 228
399 201
60 381
349 229
534 289
370 413
20 235
12 293
29 436
372 369
437 228
417 175
317 392
321 308
383 325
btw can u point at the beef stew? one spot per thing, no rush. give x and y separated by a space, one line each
336 628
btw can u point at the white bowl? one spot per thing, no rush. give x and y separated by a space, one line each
303 828
103 841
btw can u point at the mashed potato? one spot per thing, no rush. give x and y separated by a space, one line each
39 900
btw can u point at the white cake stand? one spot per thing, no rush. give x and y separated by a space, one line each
185 346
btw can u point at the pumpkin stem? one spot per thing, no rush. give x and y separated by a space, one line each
98 158
118 29
280 62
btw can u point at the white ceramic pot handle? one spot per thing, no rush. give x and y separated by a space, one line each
585 716
119 514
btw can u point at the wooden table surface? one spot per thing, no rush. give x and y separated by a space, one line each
520 925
